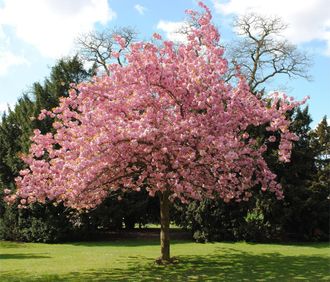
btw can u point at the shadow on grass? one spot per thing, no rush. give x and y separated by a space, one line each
136 234
224 265
11 245
316 245
127 243
22 256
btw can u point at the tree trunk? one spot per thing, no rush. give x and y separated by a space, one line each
165 226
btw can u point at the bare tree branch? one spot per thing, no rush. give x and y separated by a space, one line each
98 47
262 52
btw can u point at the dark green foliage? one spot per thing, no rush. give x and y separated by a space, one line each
212 220
122 210
40 223
320 183
304 212
15 130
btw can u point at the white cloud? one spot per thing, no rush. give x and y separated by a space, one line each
172 30
52 25
7 57
308 20
141 9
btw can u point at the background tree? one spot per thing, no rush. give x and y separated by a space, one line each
166 120
101 47
291 215
321 143
320 185
262 53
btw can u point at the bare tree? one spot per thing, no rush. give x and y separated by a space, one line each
263 53
98 47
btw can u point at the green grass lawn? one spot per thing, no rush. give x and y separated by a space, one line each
133 260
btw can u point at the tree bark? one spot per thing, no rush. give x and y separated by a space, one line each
165 226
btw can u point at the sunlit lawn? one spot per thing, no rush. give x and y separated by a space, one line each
133 260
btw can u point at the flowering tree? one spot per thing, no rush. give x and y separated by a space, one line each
166 121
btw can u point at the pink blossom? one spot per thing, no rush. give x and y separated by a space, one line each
245 135
157 36
272 138
7 191
115 54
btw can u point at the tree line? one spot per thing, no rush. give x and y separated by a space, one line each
303 214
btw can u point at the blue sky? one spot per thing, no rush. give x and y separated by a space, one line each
35 33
